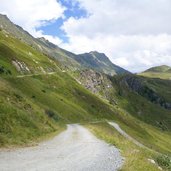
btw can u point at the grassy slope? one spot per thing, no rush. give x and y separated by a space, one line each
162 72
13 49
22 121
33 106
160 75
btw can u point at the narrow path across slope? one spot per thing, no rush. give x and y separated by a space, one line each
76 149
30 75
122 132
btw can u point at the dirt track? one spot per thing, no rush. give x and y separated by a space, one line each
76 149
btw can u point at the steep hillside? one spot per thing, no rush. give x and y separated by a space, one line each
163 72
36 96
41 44
155 90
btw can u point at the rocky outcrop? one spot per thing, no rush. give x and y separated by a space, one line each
97 83
138 85
20 66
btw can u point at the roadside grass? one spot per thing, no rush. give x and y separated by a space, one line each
136 158
21 121
153 137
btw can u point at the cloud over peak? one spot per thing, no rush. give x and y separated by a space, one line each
134 34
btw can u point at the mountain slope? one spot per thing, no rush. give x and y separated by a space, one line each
99 62
40 44
162 68
163 72
68 60
36 96
138 92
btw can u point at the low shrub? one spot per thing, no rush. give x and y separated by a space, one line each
164 161
51 114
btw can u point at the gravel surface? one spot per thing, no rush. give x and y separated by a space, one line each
76 149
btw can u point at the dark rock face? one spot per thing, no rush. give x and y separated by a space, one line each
137 85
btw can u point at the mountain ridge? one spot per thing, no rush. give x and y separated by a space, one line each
100 62
68 59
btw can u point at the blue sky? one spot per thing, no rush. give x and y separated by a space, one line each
54 28
134 34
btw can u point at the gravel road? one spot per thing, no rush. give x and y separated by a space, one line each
76 149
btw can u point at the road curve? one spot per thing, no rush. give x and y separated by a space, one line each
76 149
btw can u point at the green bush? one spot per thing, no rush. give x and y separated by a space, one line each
164 161
2 70
51 114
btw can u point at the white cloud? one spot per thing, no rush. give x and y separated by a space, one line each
134 34
31 14
135 53
54 39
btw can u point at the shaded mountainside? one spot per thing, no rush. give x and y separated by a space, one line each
151 89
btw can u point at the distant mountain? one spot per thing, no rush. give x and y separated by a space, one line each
93 60
99 62
162 68
162 72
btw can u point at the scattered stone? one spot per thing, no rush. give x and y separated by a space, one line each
152 161
20 66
